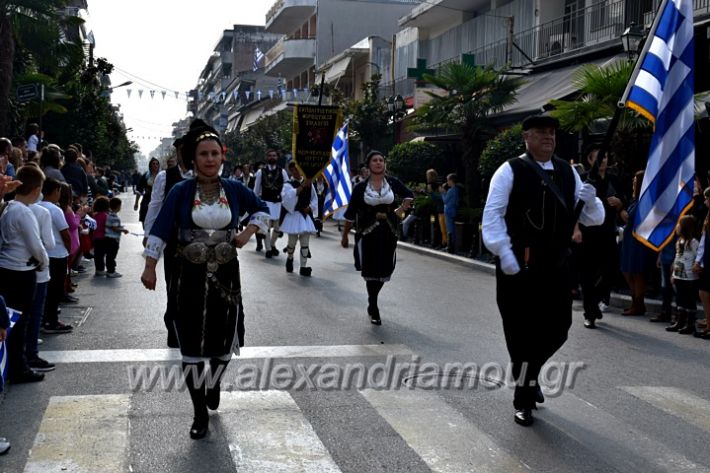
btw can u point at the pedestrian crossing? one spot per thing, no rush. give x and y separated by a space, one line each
267 431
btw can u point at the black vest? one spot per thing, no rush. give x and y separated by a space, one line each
304 198
536 219
172 177
272 183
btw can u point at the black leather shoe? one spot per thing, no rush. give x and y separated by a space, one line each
289 265
199 428
305 272
589 323
275 252
524 417
539 397
374 314
267 253
29 376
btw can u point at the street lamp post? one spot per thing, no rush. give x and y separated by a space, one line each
631 39
395 107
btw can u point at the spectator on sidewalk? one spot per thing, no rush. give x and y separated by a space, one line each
702 261
636 259
74 174
33 137
144 189
21 254
684 278
665 264
112 237
58 257
4 325
51 161
452 198
436 195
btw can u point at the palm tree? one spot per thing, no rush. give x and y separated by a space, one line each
35 28
472 95
590 112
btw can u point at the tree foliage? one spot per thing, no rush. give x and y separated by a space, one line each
369 117
505 145
471 95
273 131
410 161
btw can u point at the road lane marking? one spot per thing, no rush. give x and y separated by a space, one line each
267 433
674 401
82 434
621 445
166 354
444 439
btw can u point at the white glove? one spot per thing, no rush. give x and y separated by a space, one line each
587 193
509 263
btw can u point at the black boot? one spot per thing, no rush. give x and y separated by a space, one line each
450 247
289 265
259 242
689 328
679 321
192 372
217 369
305 272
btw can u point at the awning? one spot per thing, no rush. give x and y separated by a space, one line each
337 70
540 88
251 117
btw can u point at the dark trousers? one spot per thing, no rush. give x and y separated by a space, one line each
686 294
168 317
536 307
666 288
111 247
55 289
17 287
598 265
100 253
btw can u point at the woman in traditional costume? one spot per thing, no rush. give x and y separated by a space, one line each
374 213
201 215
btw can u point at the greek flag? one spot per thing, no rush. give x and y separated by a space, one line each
661 89
14 317
258 56
337 175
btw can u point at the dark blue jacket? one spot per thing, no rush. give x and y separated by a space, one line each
451 202
4 315
176 211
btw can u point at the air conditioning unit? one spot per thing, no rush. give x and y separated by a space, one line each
558 43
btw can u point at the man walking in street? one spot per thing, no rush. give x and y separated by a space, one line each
268 184
527 223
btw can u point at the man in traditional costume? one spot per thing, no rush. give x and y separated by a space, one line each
300 203
527 223
268 184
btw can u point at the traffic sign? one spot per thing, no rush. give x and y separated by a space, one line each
27 92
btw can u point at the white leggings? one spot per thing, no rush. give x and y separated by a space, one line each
304 238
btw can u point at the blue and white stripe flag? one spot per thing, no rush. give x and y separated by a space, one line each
14 317
661 89
337 175
258 57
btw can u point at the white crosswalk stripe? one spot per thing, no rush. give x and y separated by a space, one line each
82 434
268 433
677 402
165 354
625 448
443 438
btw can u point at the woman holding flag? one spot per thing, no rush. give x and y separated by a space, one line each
374 213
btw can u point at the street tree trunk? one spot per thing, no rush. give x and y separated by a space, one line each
7 54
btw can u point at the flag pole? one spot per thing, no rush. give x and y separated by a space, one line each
621 104
644 51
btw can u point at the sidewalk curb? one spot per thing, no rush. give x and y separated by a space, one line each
617 300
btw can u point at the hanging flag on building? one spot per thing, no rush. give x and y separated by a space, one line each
258 57
661 89
337 175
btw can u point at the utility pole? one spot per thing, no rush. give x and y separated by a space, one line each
509 49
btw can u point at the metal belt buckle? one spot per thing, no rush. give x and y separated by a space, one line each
196 253
381 216
224 253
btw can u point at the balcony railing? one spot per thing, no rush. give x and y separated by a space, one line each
599 25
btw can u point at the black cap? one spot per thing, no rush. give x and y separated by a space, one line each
540 121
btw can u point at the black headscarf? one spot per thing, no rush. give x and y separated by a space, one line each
193 138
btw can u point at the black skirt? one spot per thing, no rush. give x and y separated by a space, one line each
208 323
375 253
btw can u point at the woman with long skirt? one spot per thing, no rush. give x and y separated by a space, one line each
201 215
374 213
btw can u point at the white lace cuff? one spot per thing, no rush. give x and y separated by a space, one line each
154 247
261 220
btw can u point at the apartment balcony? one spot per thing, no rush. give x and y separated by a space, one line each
285 16
289 57
435 12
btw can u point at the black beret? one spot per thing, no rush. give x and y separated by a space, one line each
540 121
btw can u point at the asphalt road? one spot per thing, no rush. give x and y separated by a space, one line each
639 399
